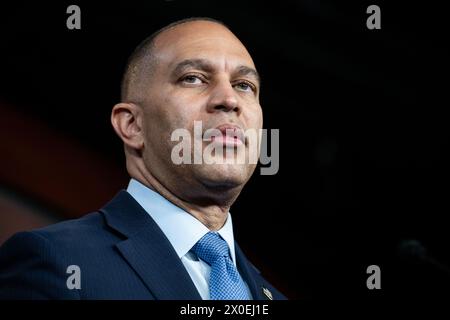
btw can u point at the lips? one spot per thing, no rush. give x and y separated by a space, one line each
232 136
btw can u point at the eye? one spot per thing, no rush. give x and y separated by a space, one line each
191 79
245 86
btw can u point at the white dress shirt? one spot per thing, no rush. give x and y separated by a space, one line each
183 231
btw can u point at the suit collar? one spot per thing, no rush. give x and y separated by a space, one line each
150 254
181 228
148 251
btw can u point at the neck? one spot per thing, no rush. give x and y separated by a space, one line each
211 214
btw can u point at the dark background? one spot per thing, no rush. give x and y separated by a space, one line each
364 139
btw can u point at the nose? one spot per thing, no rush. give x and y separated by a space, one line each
223 98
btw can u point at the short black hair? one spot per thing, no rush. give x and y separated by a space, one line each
142 56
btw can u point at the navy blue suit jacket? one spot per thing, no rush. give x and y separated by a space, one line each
121 253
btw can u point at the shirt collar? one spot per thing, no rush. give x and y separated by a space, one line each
181 228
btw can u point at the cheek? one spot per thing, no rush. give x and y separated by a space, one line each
182 110
254 117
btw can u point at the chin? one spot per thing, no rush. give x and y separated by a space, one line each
226 176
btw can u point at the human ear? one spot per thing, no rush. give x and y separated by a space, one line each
126 120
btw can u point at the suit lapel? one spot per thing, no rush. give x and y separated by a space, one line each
148 251
250 275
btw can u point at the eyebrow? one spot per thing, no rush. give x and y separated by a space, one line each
200 64
205 65
247 71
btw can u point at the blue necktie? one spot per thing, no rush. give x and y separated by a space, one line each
225 283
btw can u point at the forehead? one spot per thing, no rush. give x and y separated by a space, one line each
201 40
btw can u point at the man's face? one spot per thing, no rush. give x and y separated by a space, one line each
202 73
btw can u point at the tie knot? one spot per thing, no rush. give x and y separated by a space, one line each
211 247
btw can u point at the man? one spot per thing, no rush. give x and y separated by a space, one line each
169 235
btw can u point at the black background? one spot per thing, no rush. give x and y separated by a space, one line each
364 139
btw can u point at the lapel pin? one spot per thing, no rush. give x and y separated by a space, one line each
267 293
